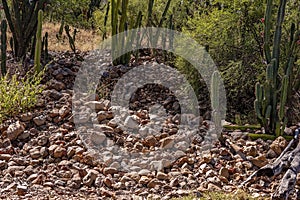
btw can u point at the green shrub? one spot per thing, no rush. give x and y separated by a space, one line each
18 95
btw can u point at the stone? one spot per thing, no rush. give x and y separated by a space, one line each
150 141
130 122
64 111
153 183
109 170
98 138
96 105
90 178
144 180
75 181
162 176
26 117
57 85
3 164
40 120
144 172
259 161
271 154
59 152
103 115
251 151
15 129
167 142
22 190
35 153
224 172
103 128
5 157
108 182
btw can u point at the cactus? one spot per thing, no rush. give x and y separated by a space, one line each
22 21
272 95
61 30
38 44
71 38
215 98
45 47
3 46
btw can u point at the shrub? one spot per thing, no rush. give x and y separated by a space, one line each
18 95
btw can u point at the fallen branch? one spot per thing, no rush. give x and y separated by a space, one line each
288 160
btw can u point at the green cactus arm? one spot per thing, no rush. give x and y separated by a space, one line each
267 28
257 108
278 30
38 47
3 47
284 89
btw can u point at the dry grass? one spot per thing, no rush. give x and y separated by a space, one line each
85 39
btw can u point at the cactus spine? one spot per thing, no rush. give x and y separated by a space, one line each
272 95
38 45
3 46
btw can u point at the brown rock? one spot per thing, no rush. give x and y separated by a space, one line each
150 141
224 172
15 129
59 152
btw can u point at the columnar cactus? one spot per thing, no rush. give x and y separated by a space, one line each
38 45
22 18
71 38
3 46
272 96
215 99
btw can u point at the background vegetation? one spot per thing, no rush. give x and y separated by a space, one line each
231 30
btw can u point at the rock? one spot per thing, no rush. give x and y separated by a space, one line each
14 130
35 153
24 135
102 115
22 190
108 182
97 105
64 111
150 141
76 181
52 94
278 145
154 182
40 120
109 170
26 117
130 122
103 128
167 142
3 164
98 138
5 157
90 178
224 172
59 152
271 154
212 187
144 172
259 161
57 85
162 176
144 180
251 151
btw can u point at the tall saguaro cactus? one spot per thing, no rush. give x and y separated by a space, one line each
272 95
22 18
38 45
3 46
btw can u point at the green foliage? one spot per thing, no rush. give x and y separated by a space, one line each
22 18
18 95
272 96
3 46
77 13
230 32
38 44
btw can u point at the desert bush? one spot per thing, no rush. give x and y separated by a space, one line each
18 95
